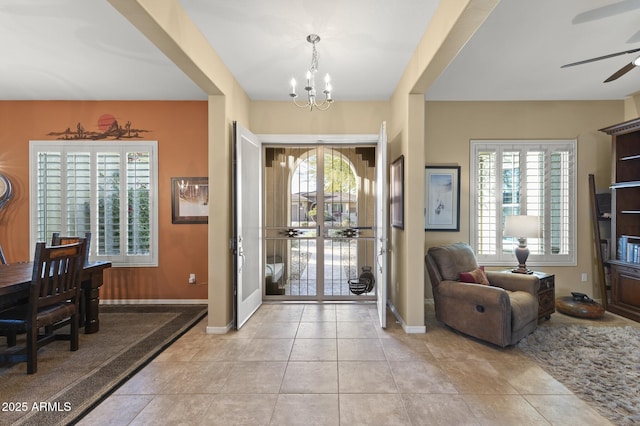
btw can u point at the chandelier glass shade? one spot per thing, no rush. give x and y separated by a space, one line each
310 87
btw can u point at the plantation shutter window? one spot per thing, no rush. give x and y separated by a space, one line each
535 178
107 188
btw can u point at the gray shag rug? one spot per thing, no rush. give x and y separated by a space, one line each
69 384
601 365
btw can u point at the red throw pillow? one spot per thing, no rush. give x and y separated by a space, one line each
477 276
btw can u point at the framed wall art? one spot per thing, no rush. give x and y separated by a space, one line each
189 200
442 198
396 192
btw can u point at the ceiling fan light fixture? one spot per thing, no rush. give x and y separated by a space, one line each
616 75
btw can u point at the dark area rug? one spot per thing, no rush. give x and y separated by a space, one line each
601 365
68 384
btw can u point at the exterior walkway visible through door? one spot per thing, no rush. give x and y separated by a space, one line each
338 270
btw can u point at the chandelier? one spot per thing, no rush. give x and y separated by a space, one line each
310 88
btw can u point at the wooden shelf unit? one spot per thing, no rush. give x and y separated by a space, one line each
625 219
601 223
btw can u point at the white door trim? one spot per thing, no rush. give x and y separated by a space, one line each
359 139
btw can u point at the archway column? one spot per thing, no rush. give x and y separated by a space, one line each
413 259
451 27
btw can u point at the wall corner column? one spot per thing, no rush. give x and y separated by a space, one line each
414 213
220 269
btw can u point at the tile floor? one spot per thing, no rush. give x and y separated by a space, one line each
306 364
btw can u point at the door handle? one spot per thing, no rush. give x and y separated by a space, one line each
241 256
380 253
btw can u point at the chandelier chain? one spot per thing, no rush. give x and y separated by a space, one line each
314 59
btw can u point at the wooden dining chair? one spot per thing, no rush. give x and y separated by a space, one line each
53 297
57 240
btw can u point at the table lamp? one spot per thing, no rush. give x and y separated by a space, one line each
522 227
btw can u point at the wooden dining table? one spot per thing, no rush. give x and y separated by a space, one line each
15 280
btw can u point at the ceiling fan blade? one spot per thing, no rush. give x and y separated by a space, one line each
622 71
599 58
618 8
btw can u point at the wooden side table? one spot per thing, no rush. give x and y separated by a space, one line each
546 294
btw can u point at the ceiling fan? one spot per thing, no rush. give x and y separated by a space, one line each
622 71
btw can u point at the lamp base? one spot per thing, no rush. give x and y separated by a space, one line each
522 253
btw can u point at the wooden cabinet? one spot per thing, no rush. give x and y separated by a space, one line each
625 291
625 219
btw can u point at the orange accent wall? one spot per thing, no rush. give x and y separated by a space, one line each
180 127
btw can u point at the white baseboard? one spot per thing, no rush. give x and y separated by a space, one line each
409 329
220 330
154 301
414 329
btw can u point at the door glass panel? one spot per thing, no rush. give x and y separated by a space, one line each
319 220
348 233
290 232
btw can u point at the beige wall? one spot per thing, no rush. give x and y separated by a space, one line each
451 125
341 118
632 107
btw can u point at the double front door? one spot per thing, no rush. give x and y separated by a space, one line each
319 230
310 222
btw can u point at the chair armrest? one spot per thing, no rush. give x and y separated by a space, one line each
514 281
478 294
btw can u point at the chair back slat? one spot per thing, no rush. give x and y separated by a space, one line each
56 274
57 240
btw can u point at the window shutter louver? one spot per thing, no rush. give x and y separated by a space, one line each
139 187
49 194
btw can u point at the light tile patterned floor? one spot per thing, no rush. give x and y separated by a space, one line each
307 364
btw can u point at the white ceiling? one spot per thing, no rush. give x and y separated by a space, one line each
85 50
365 44
518 51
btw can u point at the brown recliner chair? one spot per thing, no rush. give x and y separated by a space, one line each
502 312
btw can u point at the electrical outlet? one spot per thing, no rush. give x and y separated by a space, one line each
584 277
192 278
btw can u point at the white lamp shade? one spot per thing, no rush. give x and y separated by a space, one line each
522 226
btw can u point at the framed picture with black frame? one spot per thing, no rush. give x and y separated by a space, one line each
396 192
442 198
189 200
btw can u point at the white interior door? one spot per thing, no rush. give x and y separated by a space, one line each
248 224
382 225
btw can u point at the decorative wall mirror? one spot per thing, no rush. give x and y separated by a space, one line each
5 190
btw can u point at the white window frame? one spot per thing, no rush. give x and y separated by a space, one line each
95 147
500 258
